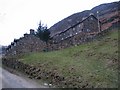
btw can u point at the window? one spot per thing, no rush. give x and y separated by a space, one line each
79 25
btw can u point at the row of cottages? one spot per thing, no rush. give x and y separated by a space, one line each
81 32
26 44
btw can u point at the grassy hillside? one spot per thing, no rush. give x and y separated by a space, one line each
93 64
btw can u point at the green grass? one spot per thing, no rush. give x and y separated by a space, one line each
94 62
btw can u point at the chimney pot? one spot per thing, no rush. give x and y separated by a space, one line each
25 34
32 32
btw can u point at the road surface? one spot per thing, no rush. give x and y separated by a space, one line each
10 80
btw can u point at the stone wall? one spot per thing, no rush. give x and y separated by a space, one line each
72 41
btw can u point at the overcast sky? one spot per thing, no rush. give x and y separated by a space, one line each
18 16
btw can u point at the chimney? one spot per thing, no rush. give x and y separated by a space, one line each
32 32
25 34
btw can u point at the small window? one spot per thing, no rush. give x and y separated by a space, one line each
79 25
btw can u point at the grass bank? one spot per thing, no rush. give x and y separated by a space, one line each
94 64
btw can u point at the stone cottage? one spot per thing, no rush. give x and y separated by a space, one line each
87 25
80 32
28 43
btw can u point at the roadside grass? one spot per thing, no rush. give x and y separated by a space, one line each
94 62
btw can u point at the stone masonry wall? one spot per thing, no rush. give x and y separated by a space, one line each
71 41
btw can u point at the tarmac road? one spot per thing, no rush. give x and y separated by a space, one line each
10 80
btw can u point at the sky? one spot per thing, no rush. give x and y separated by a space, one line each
17 17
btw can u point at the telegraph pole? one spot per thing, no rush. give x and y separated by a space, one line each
98 21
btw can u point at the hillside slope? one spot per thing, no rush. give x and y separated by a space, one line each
93 64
